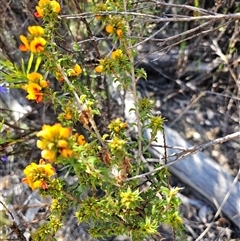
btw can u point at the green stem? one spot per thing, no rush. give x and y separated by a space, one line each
135 99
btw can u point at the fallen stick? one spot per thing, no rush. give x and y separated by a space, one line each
201 173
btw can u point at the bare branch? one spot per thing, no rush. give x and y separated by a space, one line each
156 19
183 6
188 152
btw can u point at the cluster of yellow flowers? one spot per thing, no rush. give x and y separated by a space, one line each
116 144
34 40
117 54
75 71
57 140
38 175
54 141
117 125
36 43
107 63
113 30
35 86
47 6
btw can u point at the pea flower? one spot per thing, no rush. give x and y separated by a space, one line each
116 27
81 140
37 45
34 41
75 71
109 29
36 30
38 175
35 86
119 33
55 140
47 6
117 53
99 69
25 44
102 65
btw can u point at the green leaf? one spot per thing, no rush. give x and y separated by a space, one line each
30 61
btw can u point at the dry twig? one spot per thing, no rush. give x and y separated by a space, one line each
188 152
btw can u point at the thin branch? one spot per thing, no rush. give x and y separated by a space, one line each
151 36
80 106
183 6
188 152
184 33
166 49
193 102
155 19
89 31
224 58
14 227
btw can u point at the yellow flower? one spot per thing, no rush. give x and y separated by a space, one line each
37 175
67 114
75 71
25 46
99 69
44 6
117 53
34 42
109 28
37 44
34 76
39 12
36 30
66 152
41 3
56 8
55 129
123 125
117 129
116 144
117 125
54 141
46 133
64 132
43 83
81 140
62 143
34 92
41 144
59 76
48 155
34 86
119 33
